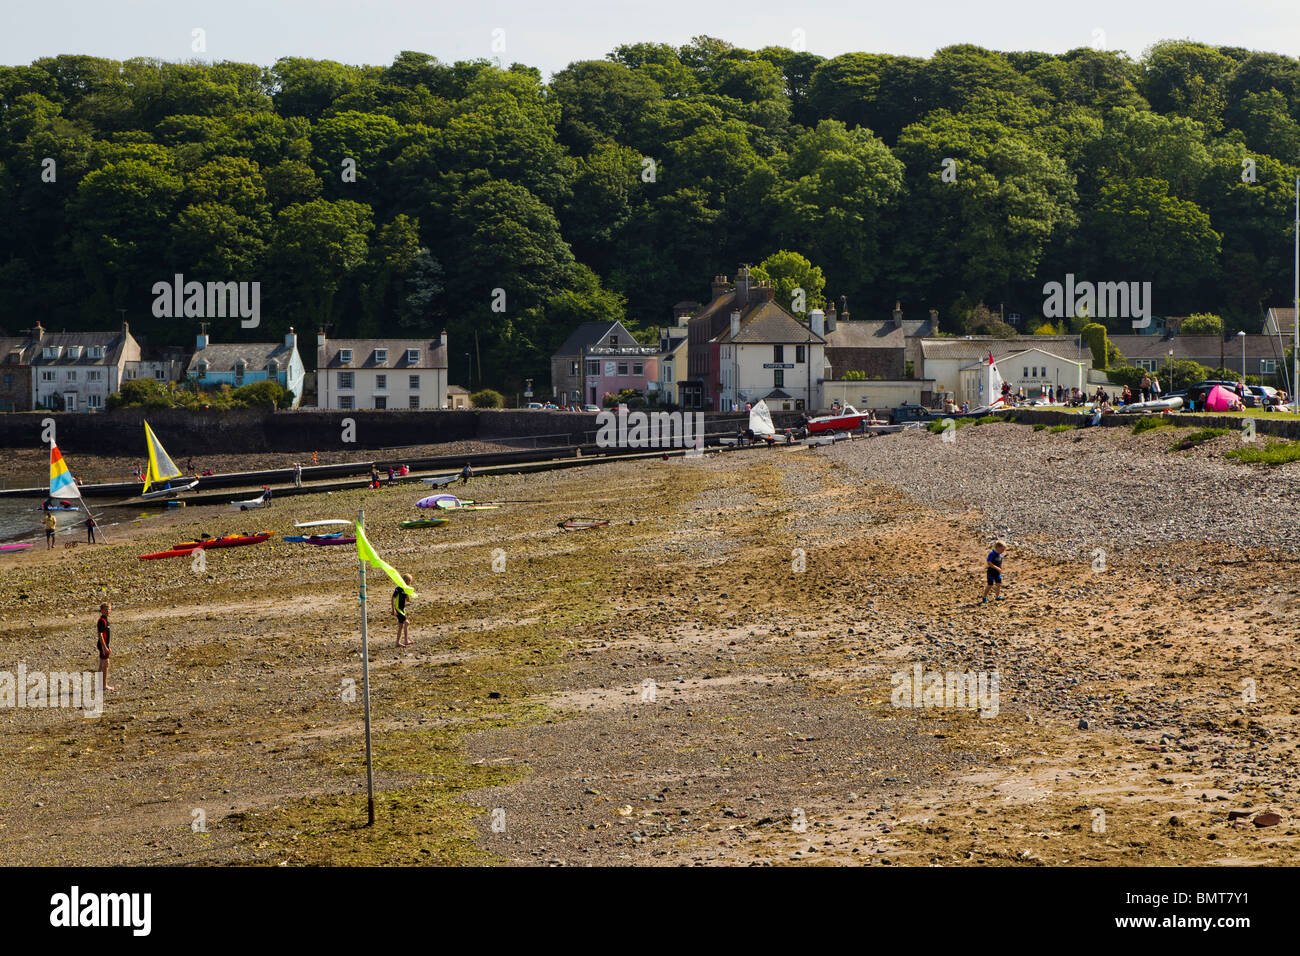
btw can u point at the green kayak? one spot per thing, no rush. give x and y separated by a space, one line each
425 522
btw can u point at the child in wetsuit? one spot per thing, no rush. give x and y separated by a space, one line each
399 612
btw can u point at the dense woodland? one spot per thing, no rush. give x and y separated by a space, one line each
623 185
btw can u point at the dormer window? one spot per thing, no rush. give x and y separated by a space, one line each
273 366
51 352
412 356
381 356
202 367
96 351
345 356
74 351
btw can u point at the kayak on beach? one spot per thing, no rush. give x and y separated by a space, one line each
189 547
258 502
15 547
425 522
321 523
305 538
226 541
330 539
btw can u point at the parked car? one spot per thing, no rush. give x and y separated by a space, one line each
591 408
1265 395
535 406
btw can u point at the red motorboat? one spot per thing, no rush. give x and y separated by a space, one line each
845 421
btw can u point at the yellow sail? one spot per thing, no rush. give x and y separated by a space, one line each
161 467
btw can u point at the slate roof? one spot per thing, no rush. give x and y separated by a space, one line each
222 356
432 354
112 343
767 322
979 347
1158 346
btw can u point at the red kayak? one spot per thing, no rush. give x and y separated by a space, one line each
189 547
225 541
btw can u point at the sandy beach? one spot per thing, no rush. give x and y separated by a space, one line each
708 680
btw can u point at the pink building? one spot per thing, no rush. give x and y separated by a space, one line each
601 358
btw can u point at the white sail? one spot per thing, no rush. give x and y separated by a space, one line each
760 421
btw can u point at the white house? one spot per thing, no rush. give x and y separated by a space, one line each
773 356
381 373
77 371
1035 370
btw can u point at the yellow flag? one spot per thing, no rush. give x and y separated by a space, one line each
366 553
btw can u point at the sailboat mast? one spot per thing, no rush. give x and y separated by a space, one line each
1295 306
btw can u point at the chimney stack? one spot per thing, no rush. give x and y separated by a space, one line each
831 317
898 316
291 339
735 324
720 286
743 286
934 321
817 322
844 308
320 339
201 341
442 339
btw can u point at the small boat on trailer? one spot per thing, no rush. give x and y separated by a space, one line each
251 503
441 481
847 420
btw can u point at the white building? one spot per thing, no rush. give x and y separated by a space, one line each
1035 370
773 356
77 371
381 373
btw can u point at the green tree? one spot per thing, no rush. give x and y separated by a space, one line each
1202 323
787 271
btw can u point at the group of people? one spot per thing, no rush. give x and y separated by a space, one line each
51 523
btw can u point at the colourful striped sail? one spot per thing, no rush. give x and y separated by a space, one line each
161 467
62 484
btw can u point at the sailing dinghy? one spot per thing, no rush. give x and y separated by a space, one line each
161 468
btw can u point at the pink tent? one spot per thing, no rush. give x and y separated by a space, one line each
1220 399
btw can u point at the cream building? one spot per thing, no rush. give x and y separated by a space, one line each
381 373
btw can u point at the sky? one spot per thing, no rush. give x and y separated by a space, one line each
553 34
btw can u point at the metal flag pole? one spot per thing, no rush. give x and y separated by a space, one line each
1295 304
365 687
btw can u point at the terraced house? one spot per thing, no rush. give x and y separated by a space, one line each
381 373
77 371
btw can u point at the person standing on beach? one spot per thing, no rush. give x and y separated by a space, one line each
90 528
399 612
51 523
101 640
994 572
297 475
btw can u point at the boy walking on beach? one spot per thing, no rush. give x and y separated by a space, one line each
994 572
101 629
51 523
399 612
